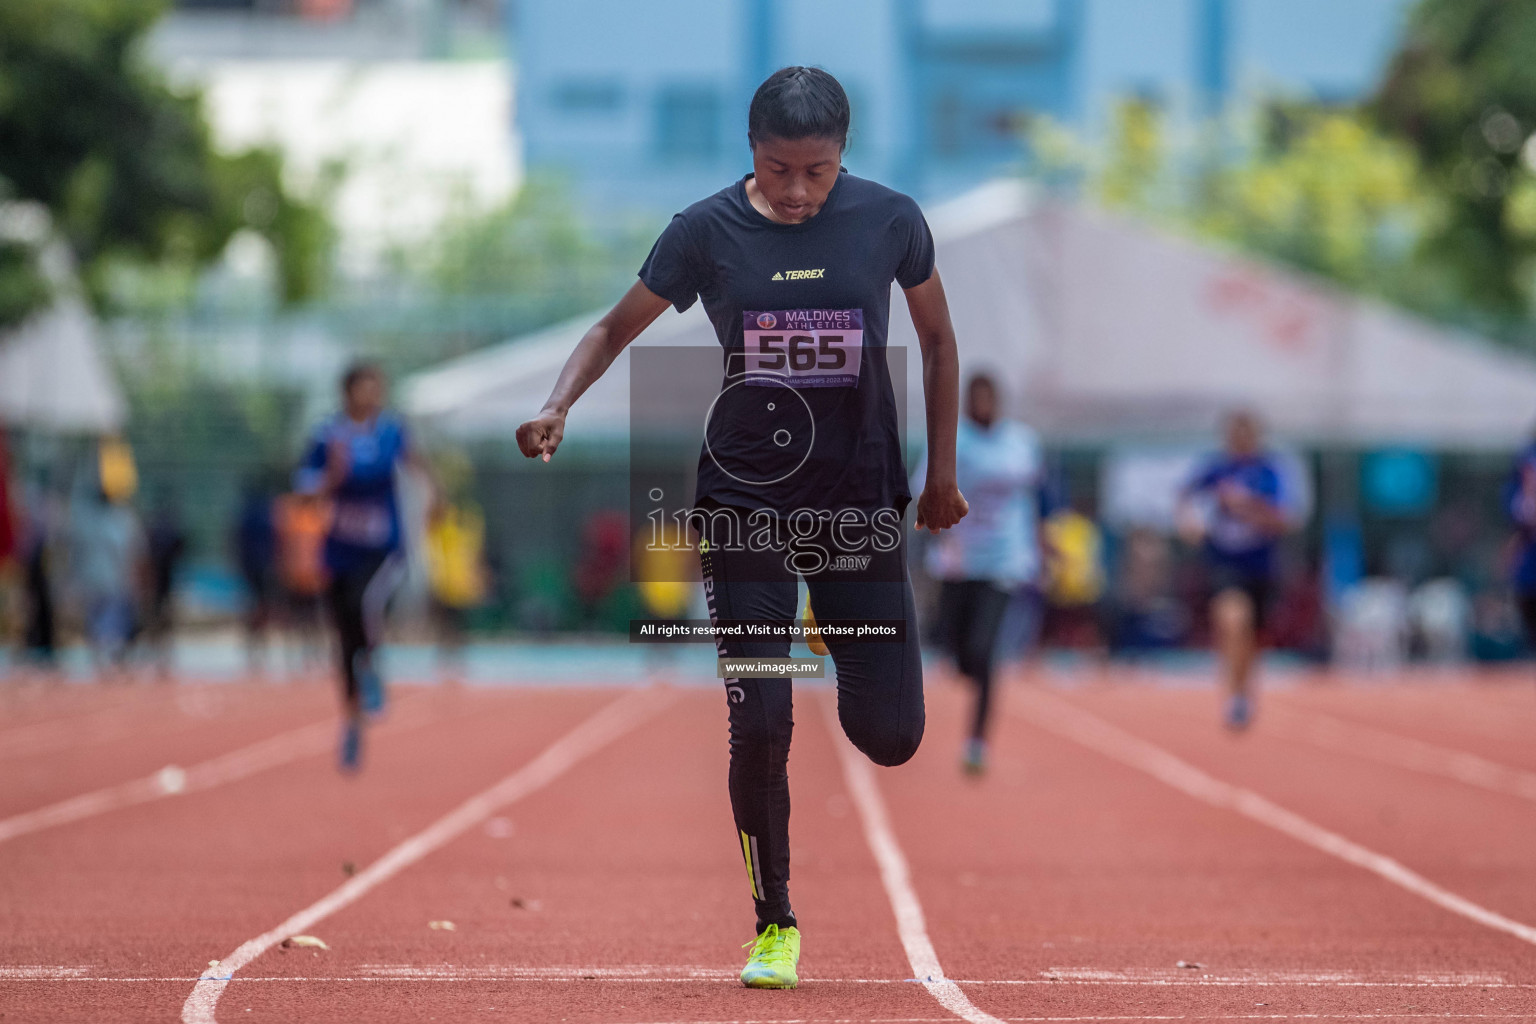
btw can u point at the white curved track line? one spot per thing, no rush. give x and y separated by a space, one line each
77 728
172 781
608 724
305 741
1404 752
1064 719
896 876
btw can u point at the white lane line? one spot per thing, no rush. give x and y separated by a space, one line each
1064 719
173 780
896 876
1057 977
79 729
612 721
1124 1017
1404 752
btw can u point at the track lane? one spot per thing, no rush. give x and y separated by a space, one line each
1494 717
194 724
1478 843
1060 886
160 891
1083 883
633 902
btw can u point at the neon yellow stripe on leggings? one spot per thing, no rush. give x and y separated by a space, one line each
746 855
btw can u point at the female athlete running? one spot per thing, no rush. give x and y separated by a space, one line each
794 263
352 460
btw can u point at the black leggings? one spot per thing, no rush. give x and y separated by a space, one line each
970 612
879 688
358 596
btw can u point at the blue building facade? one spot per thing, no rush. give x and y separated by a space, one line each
643 105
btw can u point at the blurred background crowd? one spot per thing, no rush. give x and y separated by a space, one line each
1148 214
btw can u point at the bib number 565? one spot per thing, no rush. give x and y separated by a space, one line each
803 353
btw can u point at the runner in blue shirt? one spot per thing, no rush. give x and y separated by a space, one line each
794 265
352 459
1243 524
992 552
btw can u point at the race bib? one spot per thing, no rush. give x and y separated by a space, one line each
804 348
365 524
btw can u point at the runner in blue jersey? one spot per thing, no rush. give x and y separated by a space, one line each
1520 505
352 460
990 554
794 264
1239 533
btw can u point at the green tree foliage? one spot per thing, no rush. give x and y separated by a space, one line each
1320 190
537 244
1325 193
122 162
1462 91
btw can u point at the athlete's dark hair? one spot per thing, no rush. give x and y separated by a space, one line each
981 379
357 372
798 103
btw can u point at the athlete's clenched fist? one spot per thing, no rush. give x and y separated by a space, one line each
939 508
541 435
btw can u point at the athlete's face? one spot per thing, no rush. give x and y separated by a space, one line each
365 398
1243 436
795 175
981 402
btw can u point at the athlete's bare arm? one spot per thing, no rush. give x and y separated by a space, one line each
941 505
596 351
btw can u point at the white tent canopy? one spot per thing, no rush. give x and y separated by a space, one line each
54 377
1100 329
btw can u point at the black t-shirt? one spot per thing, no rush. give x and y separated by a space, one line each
806 416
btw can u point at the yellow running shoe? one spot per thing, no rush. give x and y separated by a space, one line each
813 638
774 957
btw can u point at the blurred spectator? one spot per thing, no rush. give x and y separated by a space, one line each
301 523
167 543
1371 625
665 568
255 541
1440 621
1496 627
117 472
1074 579
600 570
8 547
455 549
1520 506
39 636
107 561
1300 619
665 571
8 529
1144 613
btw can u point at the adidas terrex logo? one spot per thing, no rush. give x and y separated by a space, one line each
800 275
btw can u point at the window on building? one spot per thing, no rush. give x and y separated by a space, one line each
963 127
589 96
688 122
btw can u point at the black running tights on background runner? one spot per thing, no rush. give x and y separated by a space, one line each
879 689
970 612
358 596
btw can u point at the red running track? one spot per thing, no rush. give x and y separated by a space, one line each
1119 833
